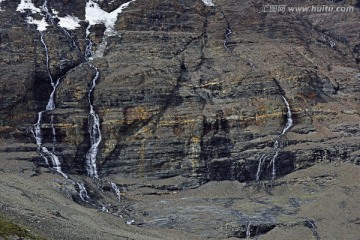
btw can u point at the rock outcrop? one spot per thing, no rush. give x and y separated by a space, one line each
187 91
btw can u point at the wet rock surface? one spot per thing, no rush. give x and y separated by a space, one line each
190 103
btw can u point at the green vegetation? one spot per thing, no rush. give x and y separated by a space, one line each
8 229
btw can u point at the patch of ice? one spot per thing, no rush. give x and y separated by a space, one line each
95 15
54 11
41 24
69 22
208 2
27 5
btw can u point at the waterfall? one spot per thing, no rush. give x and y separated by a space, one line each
228 32
288 125
248 230
94 120
50 158
289 120
95 15
261 160
95 135
276 146
83 194
36 129
227 36
116 190
48 16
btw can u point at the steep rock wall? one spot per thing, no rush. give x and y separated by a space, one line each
189 90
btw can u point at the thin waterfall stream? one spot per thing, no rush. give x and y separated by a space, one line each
276 146
248 230
288 125
94 15
94 124
94 121
36 129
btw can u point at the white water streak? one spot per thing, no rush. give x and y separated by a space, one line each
36 130
276 146
83 194
208 3
261 160
94 131
227 36
289 122
248 230
53 131
95 15
288 125
116 190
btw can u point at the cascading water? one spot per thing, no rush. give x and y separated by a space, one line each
45 153
227 36
116 190
288 125
261 161
48 16
248 230
228 33
36 129
95 15
83 194
94 131
276 146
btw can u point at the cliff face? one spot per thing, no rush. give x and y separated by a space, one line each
190 90
186 91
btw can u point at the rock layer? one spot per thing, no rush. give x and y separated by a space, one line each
175 101
187 91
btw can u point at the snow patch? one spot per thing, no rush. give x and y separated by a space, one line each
54 11
95 15
208 2
0 6
27 5
41 24
69 22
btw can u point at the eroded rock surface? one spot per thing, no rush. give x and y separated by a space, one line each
187 92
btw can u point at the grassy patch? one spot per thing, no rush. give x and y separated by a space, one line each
8 229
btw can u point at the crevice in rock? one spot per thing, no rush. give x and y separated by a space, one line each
281 90
228 33
203 42
184 48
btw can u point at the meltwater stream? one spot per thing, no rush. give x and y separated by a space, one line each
94 121
276 146
51 159
36 129
288 125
